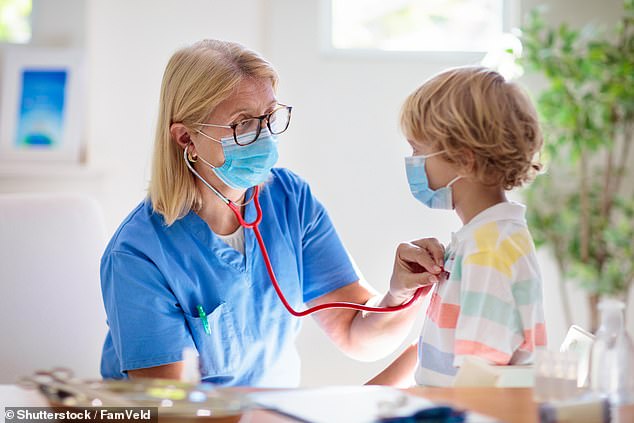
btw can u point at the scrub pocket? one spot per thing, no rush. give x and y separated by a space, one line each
219 350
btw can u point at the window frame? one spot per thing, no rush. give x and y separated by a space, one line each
510 20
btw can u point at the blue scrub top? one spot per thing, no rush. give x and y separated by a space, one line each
153 277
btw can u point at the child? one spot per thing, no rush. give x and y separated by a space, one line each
474 136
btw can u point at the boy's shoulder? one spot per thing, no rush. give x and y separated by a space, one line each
497 237
499 221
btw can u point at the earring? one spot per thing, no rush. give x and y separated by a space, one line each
193 158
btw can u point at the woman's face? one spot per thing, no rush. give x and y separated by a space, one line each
251 98
439 171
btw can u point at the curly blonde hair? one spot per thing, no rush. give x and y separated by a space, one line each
486 125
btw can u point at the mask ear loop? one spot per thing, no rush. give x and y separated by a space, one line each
211 138
434 154
187 155
202 159
438 153
208 136
454 180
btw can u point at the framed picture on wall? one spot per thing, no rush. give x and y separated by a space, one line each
40 114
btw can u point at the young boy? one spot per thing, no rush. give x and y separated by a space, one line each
474 136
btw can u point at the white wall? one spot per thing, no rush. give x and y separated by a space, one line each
128 46
60 23
344 137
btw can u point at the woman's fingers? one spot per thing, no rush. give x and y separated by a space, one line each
405 284
418 264
416 280
434 248
410 253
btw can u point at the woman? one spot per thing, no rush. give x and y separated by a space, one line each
181 272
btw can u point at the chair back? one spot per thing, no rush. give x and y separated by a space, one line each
51 311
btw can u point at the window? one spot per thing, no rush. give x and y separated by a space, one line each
418 25
15 21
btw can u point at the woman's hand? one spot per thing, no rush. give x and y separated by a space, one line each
417 264
372 336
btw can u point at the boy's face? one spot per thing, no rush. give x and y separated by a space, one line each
439 171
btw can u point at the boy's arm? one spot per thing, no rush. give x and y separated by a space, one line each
400 373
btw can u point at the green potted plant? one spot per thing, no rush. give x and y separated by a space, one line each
582 208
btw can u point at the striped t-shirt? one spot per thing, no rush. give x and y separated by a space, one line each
491 305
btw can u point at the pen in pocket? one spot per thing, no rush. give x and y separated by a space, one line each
203 317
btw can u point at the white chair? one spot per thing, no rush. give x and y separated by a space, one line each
51 312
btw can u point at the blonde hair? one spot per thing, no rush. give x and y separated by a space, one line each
473 109
197 78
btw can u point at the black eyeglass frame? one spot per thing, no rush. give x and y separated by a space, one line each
261 118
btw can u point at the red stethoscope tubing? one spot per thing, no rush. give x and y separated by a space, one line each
267 261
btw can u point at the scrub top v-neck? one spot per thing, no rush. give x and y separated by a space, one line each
154 277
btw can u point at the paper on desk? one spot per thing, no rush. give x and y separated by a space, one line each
477 372
350 404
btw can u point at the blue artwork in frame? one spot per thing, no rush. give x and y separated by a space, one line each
41 111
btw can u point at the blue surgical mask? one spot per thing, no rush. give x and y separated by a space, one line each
249 165
441 198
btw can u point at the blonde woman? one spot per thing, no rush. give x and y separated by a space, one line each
181 272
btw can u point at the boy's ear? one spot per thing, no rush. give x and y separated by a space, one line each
468 162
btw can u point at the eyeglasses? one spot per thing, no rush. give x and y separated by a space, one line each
247 131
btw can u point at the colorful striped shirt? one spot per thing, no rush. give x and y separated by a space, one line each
491 305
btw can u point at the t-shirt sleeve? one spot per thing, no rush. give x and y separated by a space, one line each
326 264
147 325
489 324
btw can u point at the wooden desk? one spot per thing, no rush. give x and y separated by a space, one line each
509 405
513 405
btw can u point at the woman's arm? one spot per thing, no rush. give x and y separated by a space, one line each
400 373
374 335
166 371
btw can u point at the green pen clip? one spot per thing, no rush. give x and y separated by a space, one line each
203 317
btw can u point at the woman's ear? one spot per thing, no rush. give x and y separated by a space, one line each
180 134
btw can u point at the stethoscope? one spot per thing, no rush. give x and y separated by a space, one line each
254 225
